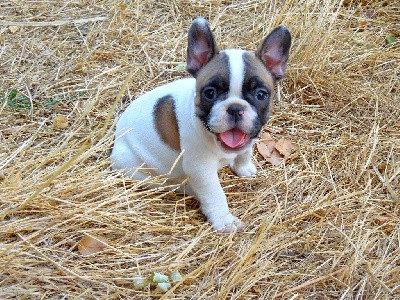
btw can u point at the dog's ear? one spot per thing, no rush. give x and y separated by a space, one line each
201 46
274 51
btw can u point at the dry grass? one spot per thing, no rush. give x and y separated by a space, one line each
325 225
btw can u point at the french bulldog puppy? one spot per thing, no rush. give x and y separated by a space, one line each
213 119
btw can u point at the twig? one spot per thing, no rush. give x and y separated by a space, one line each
52 23
308 283
114 105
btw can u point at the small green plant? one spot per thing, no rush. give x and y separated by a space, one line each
16 101
390 39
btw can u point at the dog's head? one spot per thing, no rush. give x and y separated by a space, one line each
234 88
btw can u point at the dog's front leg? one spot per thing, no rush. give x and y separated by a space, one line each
242 165
204 182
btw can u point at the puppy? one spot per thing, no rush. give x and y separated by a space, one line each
212 119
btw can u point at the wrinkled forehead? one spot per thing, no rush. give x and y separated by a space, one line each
233 68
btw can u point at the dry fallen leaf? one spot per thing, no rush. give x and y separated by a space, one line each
386 223
285 147
380 220
90 245
275 159
274 152
265 136
60 122
362 25
266 145
13 28
264 150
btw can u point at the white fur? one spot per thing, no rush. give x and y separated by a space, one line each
236 70
138 145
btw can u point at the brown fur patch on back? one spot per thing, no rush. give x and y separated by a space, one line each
166 123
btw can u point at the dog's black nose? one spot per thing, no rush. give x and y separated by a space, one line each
236 111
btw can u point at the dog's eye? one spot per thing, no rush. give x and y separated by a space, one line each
262 95
210 93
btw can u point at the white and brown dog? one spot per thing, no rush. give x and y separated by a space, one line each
213 118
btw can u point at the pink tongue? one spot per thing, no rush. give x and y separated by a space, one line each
233 138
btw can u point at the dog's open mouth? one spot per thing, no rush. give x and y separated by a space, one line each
233 139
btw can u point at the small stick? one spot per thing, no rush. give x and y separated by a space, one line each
52 23
308 283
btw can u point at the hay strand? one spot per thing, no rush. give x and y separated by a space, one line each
53 23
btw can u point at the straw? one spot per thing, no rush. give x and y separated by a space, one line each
322 225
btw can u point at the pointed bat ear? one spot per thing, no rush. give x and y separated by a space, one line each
201 46
274 51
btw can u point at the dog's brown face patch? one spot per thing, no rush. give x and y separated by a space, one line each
166 123
258 76
255 67
216 72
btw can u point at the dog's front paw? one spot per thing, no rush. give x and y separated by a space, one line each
246 170
228 223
